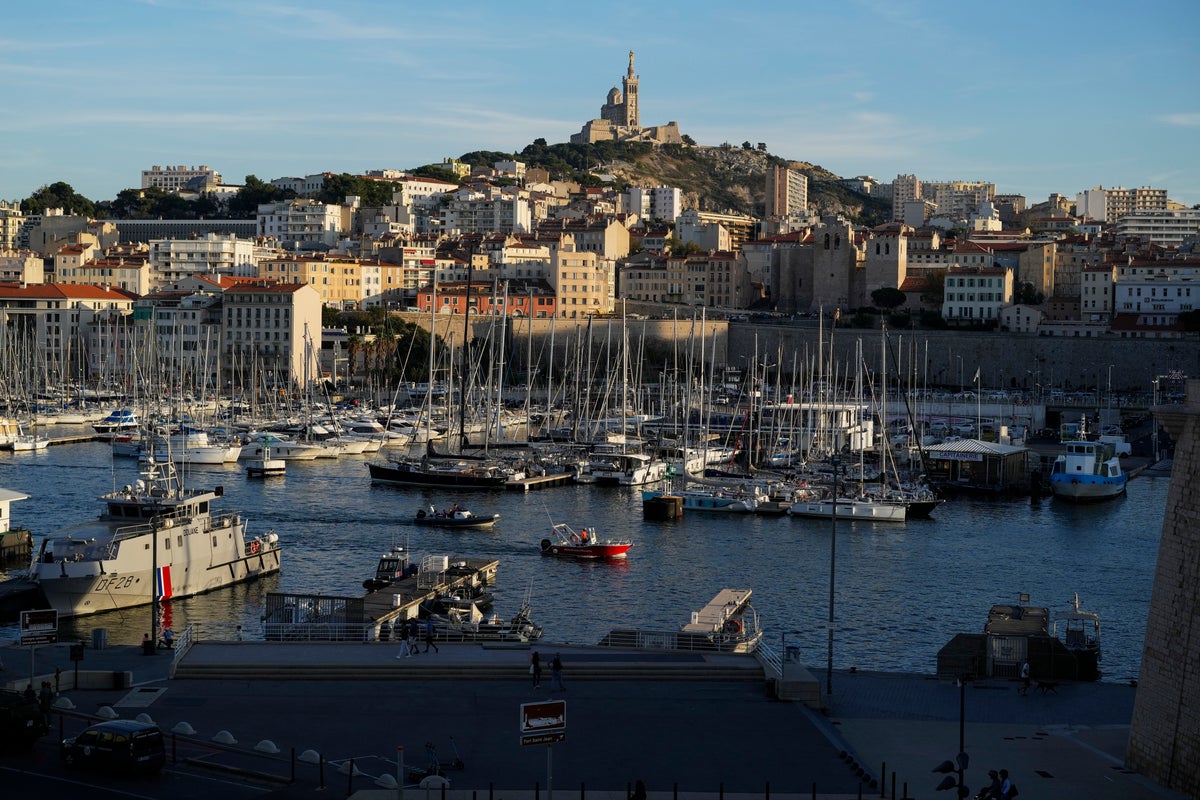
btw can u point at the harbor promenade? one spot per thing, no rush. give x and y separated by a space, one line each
704 725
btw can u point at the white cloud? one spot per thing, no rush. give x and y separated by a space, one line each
1188 120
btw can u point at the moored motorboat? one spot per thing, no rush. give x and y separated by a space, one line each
851 508
566 542
265 466
154 540
458 475
1088 471
454 517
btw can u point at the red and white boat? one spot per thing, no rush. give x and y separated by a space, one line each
566 542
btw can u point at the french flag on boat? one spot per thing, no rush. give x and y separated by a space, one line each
163 582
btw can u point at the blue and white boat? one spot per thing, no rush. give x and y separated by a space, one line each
739 500
1088 471
119 421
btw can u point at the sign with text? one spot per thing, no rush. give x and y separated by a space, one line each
39 627
543 738
549 715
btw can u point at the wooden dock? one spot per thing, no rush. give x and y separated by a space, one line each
540 482
80 439
309 617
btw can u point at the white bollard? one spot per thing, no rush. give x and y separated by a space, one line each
183 729
107 712
144 718
266 746
224 737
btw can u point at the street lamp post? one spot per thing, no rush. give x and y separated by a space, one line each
962 760
836 461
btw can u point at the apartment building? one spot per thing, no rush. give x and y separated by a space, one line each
302 224
265 330
654 202
212 253
493 209
976 294
179 178
131 272
21 267
1156 291
787 192
59 321
1108 205
1096 285
337 280
11 221
583 283
515 298
180 330
1159 227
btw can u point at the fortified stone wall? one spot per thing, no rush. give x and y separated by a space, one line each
1164 737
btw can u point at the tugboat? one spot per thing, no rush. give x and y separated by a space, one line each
1089 470
153 540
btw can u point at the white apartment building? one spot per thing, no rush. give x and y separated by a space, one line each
176 178
654 202
1157 291
976 294
265 325
1096 292
957 200
1107 205
1165 228
212 254
307 186
494 210
422 192
301 224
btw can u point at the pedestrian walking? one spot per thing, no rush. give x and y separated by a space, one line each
402 632
414 633
535 668
46 699
429 631
1006 786
1024 690
556 679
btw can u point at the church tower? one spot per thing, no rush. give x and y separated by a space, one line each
630 85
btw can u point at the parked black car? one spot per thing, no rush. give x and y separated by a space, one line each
120 746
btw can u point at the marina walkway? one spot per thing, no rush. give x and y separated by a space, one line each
701 722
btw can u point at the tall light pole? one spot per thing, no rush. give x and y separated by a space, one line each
1109 390
836 461
960 373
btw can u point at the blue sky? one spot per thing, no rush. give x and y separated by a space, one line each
1037 97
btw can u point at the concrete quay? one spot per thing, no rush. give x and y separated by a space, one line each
704 724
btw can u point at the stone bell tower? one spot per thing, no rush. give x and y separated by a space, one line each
1164 736
630 86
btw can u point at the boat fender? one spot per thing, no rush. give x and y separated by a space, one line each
254 547
733 625
545 545
421 514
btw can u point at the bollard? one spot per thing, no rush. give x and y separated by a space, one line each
906 790
582 791
628 790
860 791
443 789
675 791
537 791
893 785
721 794
767 792
814 790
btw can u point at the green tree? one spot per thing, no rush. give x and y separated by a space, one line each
888 298
1027 295
436 173
688 140
58 195
244 204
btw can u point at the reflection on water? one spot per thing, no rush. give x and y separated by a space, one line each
902 590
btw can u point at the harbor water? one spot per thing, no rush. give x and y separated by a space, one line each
901 590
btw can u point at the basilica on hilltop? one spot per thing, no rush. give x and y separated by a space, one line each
619 118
